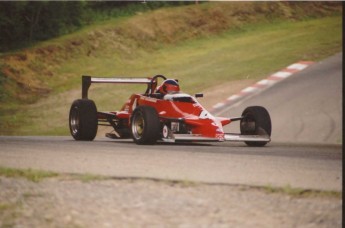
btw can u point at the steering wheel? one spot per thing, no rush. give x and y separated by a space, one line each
153 83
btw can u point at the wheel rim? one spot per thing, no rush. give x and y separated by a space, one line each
138 125
74 122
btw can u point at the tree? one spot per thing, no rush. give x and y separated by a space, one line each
25 22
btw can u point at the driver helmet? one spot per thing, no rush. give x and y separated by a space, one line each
169 86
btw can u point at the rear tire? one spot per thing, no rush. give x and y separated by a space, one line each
145 125
83 121
256 121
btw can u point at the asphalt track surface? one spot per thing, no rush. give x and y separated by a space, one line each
306 107
298 156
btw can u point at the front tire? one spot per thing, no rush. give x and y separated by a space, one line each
145 125
256 121
83 121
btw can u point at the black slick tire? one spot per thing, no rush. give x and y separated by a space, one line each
83 122
256 121
145 125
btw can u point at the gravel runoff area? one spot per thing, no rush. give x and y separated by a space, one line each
66 201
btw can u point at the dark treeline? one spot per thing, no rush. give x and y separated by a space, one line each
23 23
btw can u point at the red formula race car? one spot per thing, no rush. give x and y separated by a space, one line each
163 113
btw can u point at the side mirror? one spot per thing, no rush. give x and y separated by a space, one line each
199 95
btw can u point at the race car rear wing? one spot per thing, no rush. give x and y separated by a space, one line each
87 80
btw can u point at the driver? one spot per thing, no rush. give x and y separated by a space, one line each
169 86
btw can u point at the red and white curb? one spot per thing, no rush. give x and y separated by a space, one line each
263 84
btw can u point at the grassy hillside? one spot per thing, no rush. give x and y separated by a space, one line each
202 45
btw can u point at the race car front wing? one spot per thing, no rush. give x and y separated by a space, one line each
246 138
227 137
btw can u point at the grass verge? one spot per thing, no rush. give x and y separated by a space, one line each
299 192
29 174
38 175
